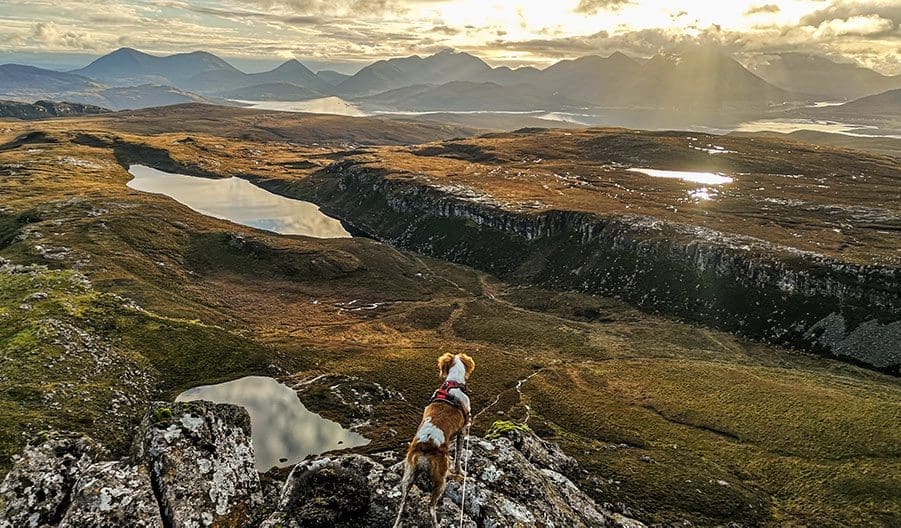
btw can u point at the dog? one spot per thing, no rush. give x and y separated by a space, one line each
446 417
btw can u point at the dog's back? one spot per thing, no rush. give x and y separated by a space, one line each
442 421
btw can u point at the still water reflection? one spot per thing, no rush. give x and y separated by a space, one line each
239 201
284 432
709 178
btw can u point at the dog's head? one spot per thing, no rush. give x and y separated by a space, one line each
447 360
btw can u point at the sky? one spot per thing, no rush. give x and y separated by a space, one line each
348 34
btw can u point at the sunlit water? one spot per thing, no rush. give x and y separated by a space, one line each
787 126
707 178
283 431
339 106
323 105
239 201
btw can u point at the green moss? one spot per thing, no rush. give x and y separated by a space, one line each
500 427
162 415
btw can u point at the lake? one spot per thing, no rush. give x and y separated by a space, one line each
239 201
283 431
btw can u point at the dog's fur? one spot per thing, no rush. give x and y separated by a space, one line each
440 423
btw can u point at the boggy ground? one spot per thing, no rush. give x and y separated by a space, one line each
137 297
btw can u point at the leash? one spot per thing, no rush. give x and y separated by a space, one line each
465 478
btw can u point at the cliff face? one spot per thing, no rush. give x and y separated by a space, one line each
193 466
736 283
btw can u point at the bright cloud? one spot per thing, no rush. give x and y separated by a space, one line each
501 31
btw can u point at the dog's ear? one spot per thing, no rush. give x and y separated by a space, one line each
468 363
445 362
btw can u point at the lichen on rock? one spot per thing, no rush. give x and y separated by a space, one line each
201 462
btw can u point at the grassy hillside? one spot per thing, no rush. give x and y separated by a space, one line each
132 296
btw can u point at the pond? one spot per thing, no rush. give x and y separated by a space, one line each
239 201
283 432
707 178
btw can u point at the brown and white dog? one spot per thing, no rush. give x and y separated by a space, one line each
444 418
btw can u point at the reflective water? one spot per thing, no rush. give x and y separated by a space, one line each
787 126
239 201
707 178
323 105
283 432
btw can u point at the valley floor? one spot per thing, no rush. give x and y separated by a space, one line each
110 298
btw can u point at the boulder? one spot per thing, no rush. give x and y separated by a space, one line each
515 479
201 462
38 489
351 491
111 495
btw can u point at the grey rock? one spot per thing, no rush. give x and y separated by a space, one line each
38 489
111 495
515 480
201 462
364 492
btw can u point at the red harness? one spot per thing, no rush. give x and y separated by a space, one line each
443 394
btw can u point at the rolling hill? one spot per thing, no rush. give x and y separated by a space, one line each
46 109
881 105
19 80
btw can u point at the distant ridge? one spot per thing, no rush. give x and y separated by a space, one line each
440 68
697 86
129 67
46 109
820 76
198 71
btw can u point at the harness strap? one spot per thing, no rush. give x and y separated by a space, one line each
443 395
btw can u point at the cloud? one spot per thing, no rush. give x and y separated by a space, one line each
500 31
49 34
763 9
843 10
591 7
856 25
328 7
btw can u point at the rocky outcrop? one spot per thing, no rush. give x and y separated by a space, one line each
192 466
38 490
113 494
736 283
201 464
515 479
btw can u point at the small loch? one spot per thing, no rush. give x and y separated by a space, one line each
283 432
239 201
707 178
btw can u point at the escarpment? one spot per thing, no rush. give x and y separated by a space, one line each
742 284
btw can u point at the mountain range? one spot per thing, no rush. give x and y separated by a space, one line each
27 84
704 85
821 77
